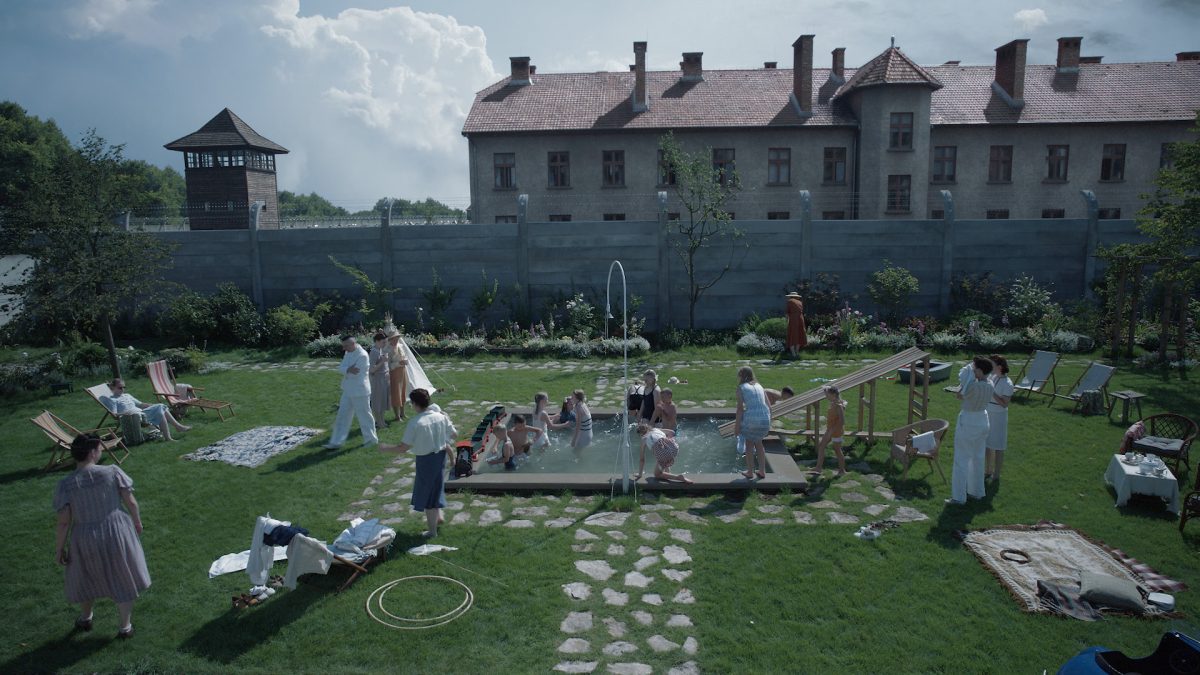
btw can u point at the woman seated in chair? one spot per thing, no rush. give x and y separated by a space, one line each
157 414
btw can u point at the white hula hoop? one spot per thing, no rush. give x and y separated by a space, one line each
376 598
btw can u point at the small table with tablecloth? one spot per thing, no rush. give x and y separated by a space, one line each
1128 479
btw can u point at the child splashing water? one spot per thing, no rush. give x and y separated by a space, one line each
835 423
662 443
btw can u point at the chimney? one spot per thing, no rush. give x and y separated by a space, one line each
633 67
532 70
520 71
770 65
951 63
640 102
1010 73
1187 56
838 70
1068 54
692 67
802 53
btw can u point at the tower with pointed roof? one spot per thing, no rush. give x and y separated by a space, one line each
229 166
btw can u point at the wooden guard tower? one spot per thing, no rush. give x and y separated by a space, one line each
228 167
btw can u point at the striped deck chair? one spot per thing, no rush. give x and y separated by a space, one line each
1095 378
63 434
1036 372
163 381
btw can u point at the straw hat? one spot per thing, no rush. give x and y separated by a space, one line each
793 294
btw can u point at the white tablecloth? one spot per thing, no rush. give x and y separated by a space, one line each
1127 479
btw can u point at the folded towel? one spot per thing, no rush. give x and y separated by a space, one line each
924 442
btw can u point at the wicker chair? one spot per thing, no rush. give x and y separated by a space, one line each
1169 436
902 449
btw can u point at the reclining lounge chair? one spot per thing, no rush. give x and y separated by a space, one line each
63 434
165 388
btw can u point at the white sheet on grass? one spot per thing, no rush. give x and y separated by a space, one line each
236 562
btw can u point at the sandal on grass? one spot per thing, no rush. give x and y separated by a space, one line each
84 625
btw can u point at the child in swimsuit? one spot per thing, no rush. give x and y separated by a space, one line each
835 422
583 422
518 435
662 443
504 444
665 412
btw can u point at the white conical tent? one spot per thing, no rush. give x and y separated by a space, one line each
417 379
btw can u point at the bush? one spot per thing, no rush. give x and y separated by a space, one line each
892 289
84 358
325 347
189 318
963 321
289 326
237 318
616 346
821 297
997 341
329 309
889 342
463 346
188 360
947 343
977 293
678 338
133 361
775 327
752 343
1028 302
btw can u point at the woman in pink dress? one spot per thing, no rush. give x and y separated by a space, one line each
104 557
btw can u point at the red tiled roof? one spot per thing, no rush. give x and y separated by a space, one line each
1099 92
890 67
226 130
1110 92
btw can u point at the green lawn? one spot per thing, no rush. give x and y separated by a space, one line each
769 598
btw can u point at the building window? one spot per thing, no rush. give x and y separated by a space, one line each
1054 213
900 136
559 170
505 219
614 168
672 216
189 159
1112 164
937 214
1109 214
997 214
833 215
505 168
899 194
723 165
666 172
1056 162
614 216
1164 156
560 217
834 172
1000 160
779 215
945 163
779 166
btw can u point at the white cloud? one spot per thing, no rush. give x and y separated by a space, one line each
410 76
142 22
1030 18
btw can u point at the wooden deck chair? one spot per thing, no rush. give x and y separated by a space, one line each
902 445
163 381
96 392
342 552
1095 378
63 434
1036 372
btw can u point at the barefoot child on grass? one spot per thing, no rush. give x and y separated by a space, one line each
665 412
662 443
835 422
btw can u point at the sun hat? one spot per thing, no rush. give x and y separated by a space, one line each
793 294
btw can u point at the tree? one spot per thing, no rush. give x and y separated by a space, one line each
1171 219
157 191
892 288
704 189
87 266
29 148
311 205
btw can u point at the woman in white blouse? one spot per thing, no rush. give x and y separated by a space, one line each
971 432
997 410
428 437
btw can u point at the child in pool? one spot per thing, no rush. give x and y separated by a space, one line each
662 443
665 411
835 422
504 445
518 435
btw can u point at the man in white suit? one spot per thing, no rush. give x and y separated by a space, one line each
356 396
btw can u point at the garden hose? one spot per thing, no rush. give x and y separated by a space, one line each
376 598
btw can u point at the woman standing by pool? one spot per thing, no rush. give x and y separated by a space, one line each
429 435
583 422
104 558
752 421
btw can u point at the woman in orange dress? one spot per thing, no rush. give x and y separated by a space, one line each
397 370
797 338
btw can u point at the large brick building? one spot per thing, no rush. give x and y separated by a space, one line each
1009 140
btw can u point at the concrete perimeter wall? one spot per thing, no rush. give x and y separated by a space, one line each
550 259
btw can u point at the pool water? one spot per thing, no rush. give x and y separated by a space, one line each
701 450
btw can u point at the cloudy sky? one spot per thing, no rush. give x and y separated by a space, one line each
370 95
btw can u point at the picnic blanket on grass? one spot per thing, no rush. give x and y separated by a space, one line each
253 447
1021 556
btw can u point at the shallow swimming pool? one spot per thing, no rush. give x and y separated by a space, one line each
701 451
